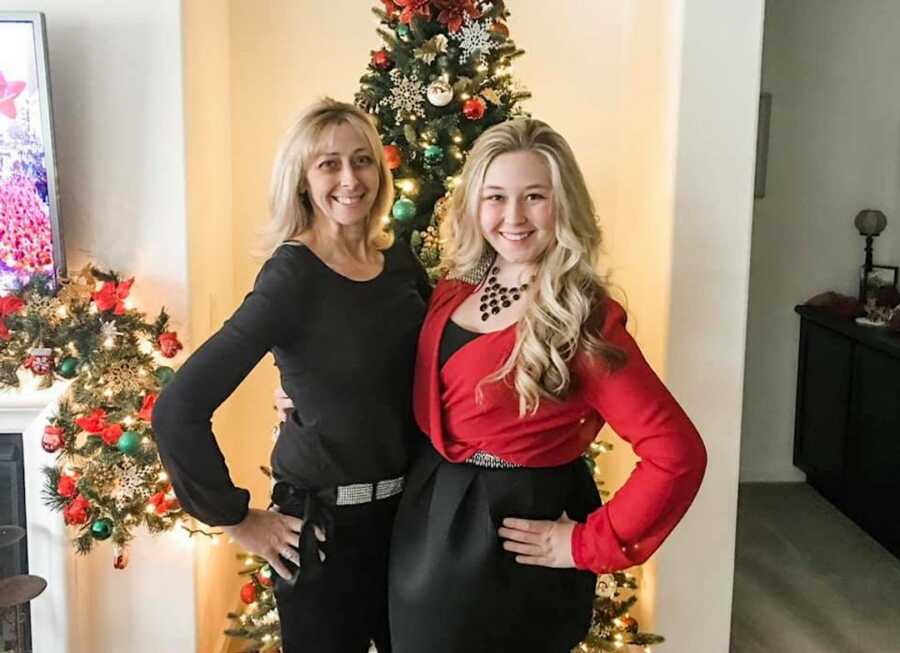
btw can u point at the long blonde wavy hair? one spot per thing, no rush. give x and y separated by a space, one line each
564 316
291 212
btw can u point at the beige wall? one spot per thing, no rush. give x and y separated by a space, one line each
834 149
210 232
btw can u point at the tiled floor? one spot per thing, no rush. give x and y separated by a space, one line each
807 579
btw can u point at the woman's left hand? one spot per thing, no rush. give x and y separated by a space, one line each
539 542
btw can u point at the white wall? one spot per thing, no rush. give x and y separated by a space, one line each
117 99
834 149
716 135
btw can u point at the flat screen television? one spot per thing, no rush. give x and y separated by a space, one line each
30 235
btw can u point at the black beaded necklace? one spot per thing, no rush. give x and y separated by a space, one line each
494 297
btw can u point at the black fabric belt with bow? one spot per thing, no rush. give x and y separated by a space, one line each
315 507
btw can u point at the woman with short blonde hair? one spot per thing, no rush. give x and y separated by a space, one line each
339 305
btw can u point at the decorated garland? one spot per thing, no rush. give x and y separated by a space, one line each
107 479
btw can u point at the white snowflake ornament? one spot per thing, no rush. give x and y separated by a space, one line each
407 94
474 36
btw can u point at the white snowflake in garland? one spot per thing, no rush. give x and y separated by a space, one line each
474 36
407 94
124 376
108 330
133 484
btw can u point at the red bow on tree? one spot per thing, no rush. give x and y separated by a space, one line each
93 423
413 7
112 296
9 305
453 12
77 511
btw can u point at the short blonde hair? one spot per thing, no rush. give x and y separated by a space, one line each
560 321
290 210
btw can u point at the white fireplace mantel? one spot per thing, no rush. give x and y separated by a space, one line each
49 550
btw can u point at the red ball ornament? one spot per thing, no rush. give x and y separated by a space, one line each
248 592
474 108
169 345
52 440
382 60
120 557
393 156
629 624
500 28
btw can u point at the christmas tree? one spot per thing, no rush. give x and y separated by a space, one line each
440 79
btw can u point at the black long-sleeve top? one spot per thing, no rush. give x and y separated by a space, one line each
345 351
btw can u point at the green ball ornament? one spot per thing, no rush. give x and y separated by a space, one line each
164 374
68 367
404 31
101 529
129 442
434 154
404 210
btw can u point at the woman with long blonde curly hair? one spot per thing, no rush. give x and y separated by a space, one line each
522 358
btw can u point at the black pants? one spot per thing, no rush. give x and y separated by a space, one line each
344 608
454 589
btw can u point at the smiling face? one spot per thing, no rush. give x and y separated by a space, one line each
342 179
516 211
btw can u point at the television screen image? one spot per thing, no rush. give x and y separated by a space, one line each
29 222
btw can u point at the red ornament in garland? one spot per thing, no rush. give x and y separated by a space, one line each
112 296
9 305
381 60
120 557
146 412
67 486
393 156
111 434
169 345
248 592
93 423
76 512
52 440
474 108
164 501
40 361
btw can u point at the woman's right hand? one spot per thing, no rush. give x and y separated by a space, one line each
269 534
283 403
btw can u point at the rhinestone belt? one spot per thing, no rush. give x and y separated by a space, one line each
351 495
489 460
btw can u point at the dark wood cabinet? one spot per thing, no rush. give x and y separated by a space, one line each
847 431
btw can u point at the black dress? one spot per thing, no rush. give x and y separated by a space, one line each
453 587
345 351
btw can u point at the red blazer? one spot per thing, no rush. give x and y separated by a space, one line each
633 524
